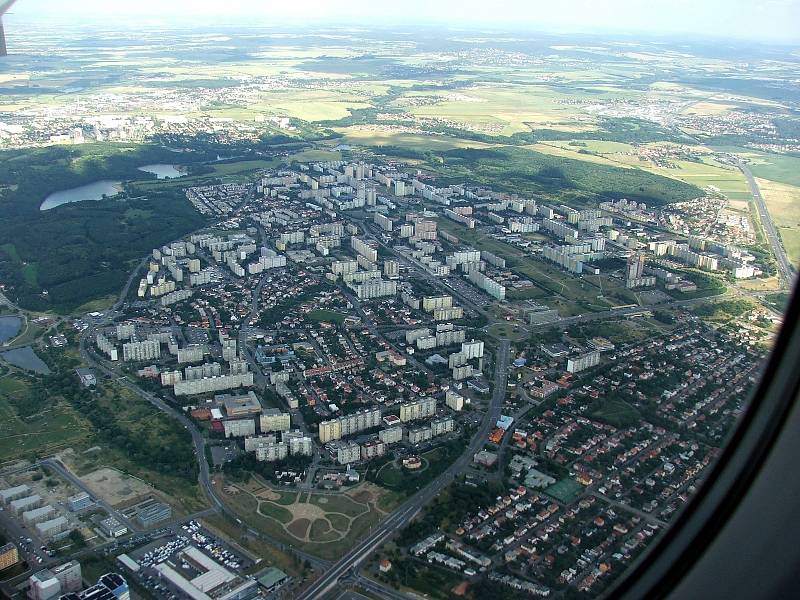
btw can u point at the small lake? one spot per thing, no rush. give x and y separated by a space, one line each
90 191
26 358
9 328
165 171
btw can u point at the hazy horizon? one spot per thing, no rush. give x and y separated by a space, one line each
773 21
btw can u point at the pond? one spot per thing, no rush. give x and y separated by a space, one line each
163 171
9 328
26 358
91 191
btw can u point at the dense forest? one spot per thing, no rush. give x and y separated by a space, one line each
528 172
82 251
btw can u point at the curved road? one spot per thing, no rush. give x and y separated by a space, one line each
204 477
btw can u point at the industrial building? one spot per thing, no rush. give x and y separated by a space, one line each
214 581
111 586
80 501
113 528
154 514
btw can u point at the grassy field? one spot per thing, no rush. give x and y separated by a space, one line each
704 173
54 429
228 172
616 412
328 316
565 150
617 332
501 109
315 155
143 430
776 167
322 524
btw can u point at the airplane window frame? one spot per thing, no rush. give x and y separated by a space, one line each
662 567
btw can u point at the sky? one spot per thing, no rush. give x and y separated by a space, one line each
774 21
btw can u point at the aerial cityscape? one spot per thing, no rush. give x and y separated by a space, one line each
359 311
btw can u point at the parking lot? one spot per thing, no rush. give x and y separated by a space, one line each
169 549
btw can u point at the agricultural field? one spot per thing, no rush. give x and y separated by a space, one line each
780 168
304 104
783 204
498 109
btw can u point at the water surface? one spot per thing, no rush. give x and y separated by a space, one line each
26 358
9 328
91 191
164 171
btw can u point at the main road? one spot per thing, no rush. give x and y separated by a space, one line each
785 268
350 562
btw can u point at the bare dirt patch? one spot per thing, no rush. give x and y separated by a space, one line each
363 496
115 487
306 511
267 494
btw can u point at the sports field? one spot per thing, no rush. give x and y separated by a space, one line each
565 490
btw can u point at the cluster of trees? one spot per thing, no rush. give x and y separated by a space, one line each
84 251
135 429
270 316
732 308
528 172
243 466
